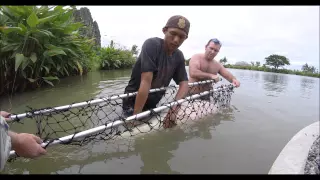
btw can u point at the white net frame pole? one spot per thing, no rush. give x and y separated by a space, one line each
96 101
141 115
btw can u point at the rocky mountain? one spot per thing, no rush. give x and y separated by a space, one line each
91 28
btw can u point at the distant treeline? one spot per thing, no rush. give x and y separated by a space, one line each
273 63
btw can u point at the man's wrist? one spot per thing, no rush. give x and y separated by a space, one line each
176 107
136 111
14 139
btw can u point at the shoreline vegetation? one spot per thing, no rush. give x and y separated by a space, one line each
41 45
281 71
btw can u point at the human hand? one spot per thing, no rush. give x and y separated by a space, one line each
170 119
27 145
235 82
215 77
5 114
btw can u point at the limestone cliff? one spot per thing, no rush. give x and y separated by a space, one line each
91 28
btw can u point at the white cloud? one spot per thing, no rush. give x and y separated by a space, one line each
248 33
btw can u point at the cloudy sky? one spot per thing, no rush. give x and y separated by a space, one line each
248 33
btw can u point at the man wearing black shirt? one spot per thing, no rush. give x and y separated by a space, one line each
159 62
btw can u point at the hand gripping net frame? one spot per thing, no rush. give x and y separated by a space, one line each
103 119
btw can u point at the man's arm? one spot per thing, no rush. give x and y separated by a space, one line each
180 76
226 74
26 145
148 66
5 114
183 91
15 141
143 92
194 69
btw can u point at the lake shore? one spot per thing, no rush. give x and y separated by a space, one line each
280 71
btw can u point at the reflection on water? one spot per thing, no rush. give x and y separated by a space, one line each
255 76
274 83
157 149
306 86
307 83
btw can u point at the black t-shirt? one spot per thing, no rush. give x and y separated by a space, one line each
153 58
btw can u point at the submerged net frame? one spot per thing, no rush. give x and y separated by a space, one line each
103 119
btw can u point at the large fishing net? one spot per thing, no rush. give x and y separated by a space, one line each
103 119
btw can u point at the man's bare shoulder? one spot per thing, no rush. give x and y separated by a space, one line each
217 62
197 56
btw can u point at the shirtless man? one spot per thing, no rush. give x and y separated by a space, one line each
203 66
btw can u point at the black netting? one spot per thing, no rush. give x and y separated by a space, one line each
103 119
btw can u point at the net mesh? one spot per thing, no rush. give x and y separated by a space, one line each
104 119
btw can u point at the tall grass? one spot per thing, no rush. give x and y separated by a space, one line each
112 58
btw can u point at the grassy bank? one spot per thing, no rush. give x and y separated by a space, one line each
282 71
41 45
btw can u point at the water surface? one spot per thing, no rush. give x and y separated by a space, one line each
266 111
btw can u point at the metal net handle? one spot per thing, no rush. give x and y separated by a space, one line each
96 101
130 118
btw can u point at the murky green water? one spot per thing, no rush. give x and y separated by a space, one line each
267 110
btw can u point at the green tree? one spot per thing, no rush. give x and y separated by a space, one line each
307 68
134 50
223 60
258 63
277 61
187 62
